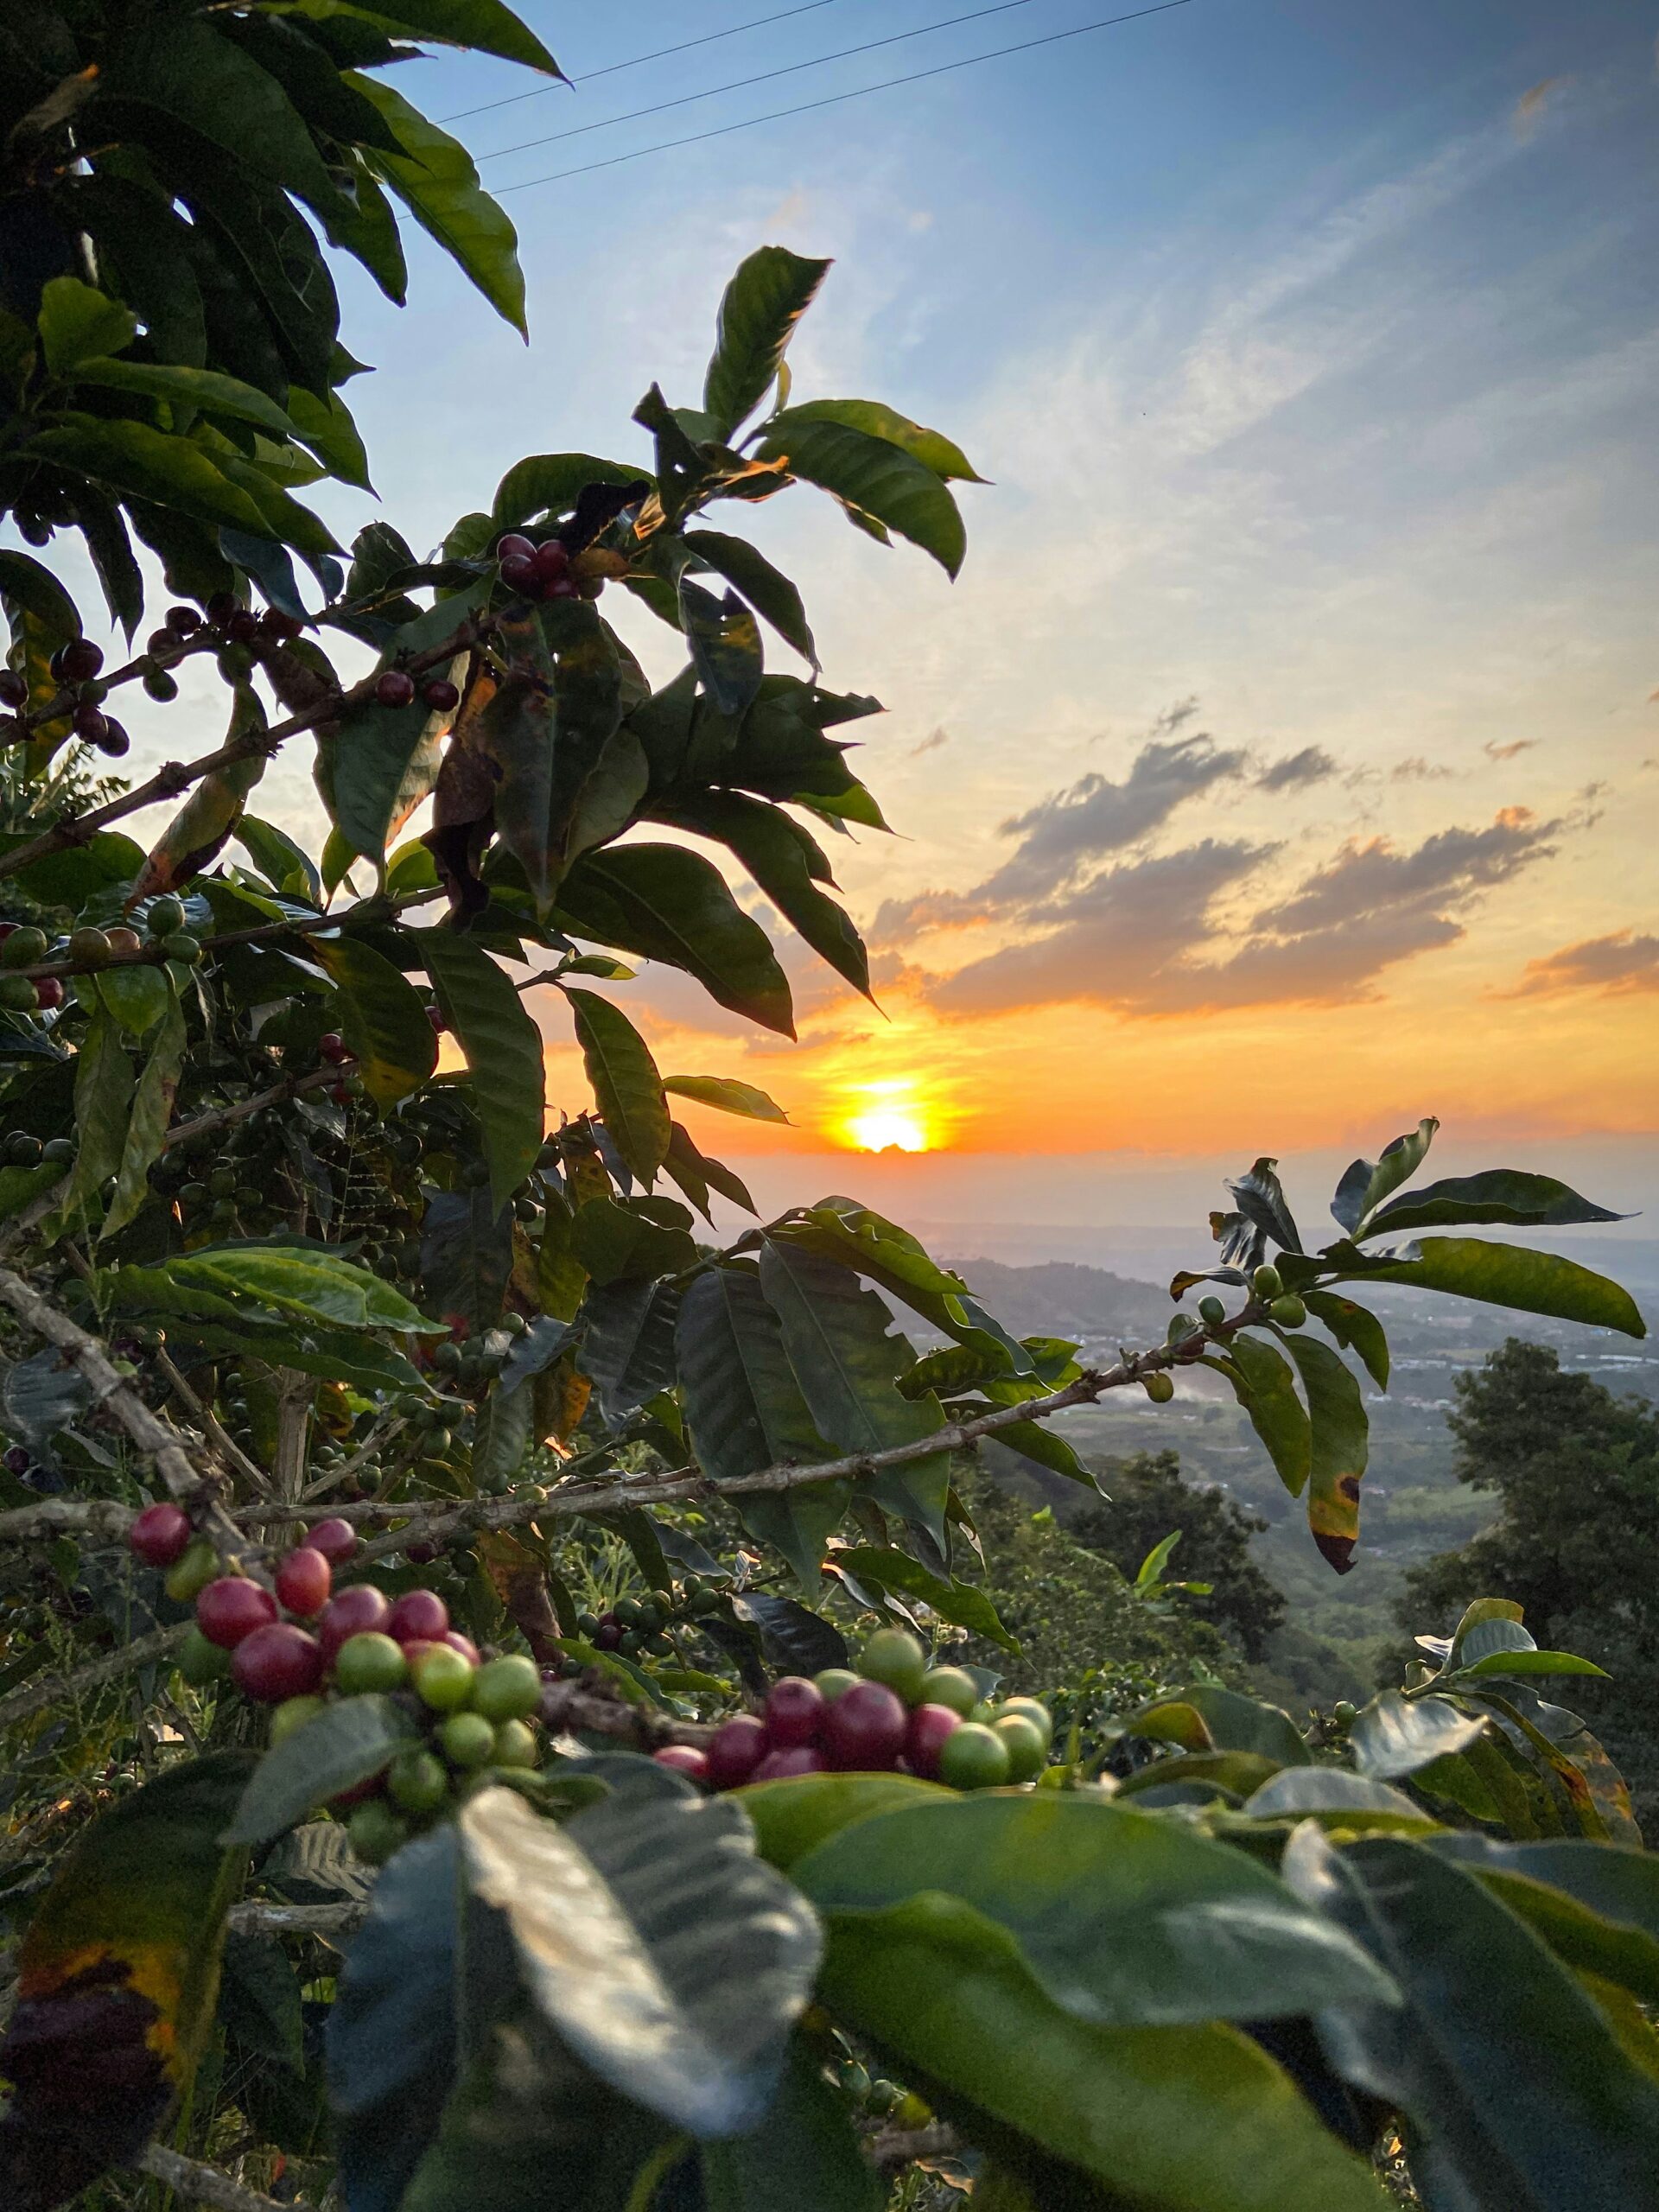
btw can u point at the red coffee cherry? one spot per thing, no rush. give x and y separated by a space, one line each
434 1016
784 1766
683 1758
419 1617
303 1582
735 1750
333 1048
243 628
440 695
515 547
552 558
337 1540
360 1610
864 1729
159 1535
276 1663
795 1709
233 1607
80 661
519 573
396 687
930 1726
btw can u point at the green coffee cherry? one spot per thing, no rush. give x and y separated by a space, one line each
374 1832
1288 1311
467 1740
291 1715
894 1656
834 1682
951 1686
1031 1709
24 948
1266 1282
192 1571
1345 1712
1211 1312
200 1661
1159 1388
370 1664
443 1678
515 1744
183 947
89 948
974 1757
165 916
18 994
1024 1742
416 1782
508 1688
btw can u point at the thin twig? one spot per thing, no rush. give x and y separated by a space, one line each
201 2185
327 1920
218 1435
158 1442
64 1688
900 2146
174 777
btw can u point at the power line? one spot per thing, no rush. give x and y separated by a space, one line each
834 100
639 61
765 76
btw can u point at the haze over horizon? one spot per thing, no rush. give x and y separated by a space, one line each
1284 764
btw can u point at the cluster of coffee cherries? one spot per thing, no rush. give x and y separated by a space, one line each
896 1715
22 945
540 571
226 622
1266 1283
640 1624
353 1643
396 687
74 667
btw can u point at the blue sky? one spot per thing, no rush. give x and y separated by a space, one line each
1312 350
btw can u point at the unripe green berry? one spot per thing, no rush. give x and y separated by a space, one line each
894 1656
1159 1388
192 1571
164 917
1025 1744
1211 1312
950 1686
515 1744
201 1662
291 1715
1288 1311
443 1678
18 994
24 948
1031 1709
467 1740
974 1757
416 1782
1266 1282
374 1832
370 1664
509 1688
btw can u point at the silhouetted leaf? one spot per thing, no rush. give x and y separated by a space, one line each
762 304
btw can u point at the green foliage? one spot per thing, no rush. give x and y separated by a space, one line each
1576 1471
267 1265
1146 1500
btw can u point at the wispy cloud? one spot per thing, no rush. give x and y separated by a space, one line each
1613 965
1296 771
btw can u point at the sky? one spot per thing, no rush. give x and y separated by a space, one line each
1284 764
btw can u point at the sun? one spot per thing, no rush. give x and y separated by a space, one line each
887 1129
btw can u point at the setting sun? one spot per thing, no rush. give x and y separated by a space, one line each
890 1120
887 1130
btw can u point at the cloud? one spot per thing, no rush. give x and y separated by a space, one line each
932 742
1614 965
1416 770
1495 752
1532 102
1148 938
1066 833
1369 880
1297 770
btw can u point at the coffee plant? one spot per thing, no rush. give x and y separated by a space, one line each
480 1655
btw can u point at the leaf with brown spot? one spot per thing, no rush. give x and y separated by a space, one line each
203 826
117 1977
1341 1444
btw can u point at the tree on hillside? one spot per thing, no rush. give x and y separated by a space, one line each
1576 1543
1146 1498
